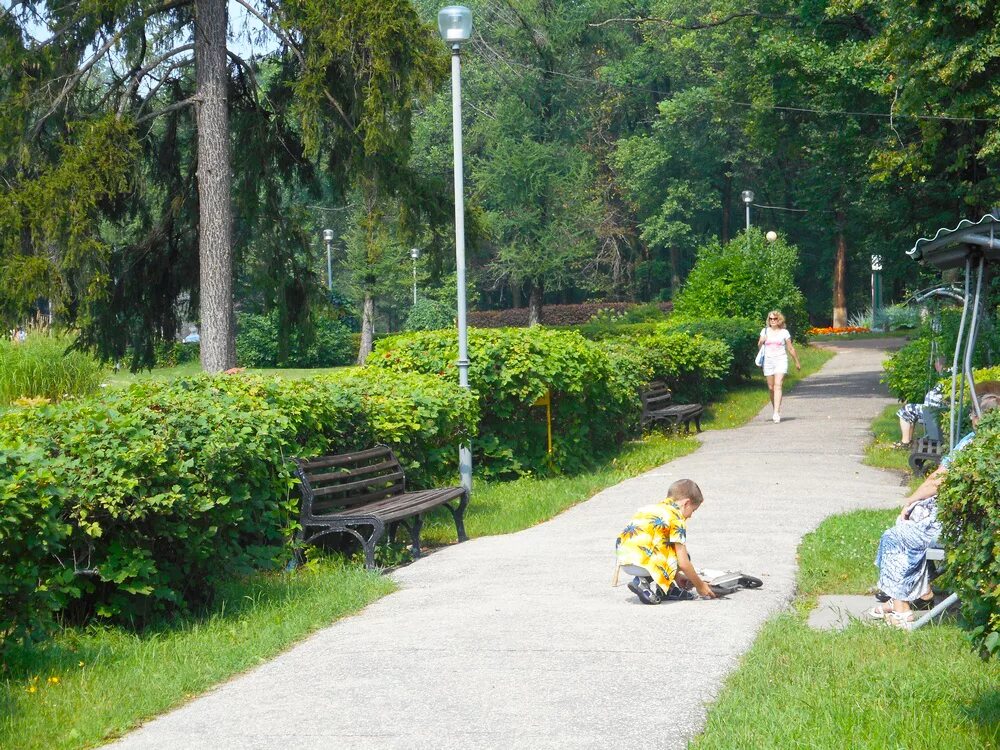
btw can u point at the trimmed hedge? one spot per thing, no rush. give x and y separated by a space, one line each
552 315
739 334
143 500
969 507
593 405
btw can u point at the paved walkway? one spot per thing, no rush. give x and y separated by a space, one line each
519 641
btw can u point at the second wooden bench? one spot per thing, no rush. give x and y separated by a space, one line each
364 494
657 408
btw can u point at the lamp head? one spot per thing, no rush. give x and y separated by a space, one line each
747 196
771 236
876 262
455 24
328 235
414 252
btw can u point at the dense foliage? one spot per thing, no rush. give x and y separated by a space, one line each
321 342
909 372
43 367
592 404
746 278
739 334
969 507
139 502
430 315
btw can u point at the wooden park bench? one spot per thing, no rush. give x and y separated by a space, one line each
926 452
658 409
360 492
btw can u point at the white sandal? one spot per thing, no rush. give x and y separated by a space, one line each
879 612
902 620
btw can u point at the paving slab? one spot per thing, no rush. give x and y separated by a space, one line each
520 641
837 612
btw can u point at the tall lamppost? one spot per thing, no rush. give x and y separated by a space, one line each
455 25
876 289
747 196
328 239
415 255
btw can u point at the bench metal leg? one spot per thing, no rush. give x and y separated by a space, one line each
414 528
938 610
458 513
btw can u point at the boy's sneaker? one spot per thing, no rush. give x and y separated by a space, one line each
677 594
640 587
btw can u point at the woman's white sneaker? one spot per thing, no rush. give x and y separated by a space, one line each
776 417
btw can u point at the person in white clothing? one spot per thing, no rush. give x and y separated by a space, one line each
777 343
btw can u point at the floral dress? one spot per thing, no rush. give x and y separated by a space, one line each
902 550
649 541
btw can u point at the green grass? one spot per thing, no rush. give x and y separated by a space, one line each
885 430
41 368
865 687
110 679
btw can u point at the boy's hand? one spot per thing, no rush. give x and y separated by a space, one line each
706 591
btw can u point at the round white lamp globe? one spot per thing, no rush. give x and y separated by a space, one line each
771 236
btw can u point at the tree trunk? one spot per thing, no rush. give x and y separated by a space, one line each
515 295
535 303
675 273
215 252
840 276
367 328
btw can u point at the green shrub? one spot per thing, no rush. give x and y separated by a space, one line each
593 406
169 488
739 334
969 507
322 342
430 315
745 279
42 367
908 372
31 535
173 353
597 330
694 367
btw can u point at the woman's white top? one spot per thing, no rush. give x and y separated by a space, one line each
774 343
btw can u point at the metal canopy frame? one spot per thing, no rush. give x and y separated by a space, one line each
972 245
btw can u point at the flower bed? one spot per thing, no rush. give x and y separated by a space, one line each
831 331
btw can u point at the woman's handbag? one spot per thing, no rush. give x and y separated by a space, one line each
759 359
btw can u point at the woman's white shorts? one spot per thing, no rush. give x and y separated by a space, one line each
775 366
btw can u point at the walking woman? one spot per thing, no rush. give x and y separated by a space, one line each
777 343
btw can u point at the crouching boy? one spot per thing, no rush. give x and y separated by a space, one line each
655 539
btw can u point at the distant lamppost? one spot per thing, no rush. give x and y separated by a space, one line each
455 25
876 289
415 255
328 239
747 196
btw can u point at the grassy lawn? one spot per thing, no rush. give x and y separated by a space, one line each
91 684
868 686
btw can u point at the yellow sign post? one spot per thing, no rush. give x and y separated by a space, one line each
546 401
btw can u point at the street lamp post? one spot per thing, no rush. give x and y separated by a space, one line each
876 289
328 239
455 25
415 255
747 196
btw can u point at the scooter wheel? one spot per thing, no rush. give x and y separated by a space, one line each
750 582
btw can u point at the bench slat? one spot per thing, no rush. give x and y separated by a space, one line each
401 506
344 474
345 458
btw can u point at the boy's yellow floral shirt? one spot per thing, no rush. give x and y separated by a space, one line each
649 541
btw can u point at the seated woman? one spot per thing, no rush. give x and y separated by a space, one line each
902 550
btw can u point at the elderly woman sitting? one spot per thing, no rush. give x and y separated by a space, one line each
902 551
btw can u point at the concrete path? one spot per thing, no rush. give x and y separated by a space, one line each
520 641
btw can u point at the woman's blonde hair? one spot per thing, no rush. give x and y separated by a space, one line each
780 315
